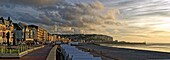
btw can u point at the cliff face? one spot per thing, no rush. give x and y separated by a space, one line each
87 37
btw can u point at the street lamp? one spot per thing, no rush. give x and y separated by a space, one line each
8 36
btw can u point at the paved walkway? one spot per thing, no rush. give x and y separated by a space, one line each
40 54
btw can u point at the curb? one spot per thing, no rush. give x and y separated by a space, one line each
52 54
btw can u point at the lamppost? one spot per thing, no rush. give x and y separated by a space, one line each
3 37
14 39
8 36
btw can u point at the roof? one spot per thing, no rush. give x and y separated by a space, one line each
22 24
17 27
2 20
33 26
5 21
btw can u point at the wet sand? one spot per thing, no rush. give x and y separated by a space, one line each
111 53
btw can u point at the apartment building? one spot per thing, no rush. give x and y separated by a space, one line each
6 30
2 30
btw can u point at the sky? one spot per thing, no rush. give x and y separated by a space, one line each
125 20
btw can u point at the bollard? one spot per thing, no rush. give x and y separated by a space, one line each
10 51
2 50
18 50
5 50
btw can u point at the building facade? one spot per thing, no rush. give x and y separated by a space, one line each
36 33
7 30
31 33
2 30
45 35
13 33
19 32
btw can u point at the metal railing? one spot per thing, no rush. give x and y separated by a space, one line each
13 49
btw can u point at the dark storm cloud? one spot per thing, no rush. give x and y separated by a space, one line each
69 17
33 3
79 15
3 13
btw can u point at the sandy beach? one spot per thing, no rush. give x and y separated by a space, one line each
110 53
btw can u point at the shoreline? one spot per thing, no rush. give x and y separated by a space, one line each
138 49
124 53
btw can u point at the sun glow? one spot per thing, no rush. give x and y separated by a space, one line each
165 26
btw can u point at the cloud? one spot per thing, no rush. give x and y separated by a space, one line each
33 3
118 18
68 16
133 8
158 32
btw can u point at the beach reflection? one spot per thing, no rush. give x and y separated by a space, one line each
148 47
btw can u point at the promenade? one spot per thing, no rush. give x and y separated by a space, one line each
40 54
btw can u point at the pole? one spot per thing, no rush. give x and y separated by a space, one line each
8 36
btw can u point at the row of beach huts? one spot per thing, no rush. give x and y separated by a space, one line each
72 53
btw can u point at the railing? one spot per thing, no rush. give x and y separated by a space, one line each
14 49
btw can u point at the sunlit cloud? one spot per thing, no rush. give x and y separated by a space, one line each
130 20
143 17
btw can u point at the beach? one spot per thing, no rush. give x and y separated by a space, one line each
113 53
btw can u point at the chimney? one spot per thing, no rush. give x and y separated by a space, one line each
2 18
9 18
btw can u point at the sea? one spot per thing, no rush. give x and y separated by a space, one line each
147 47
